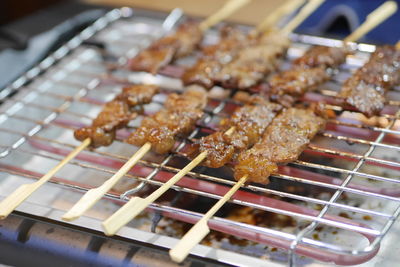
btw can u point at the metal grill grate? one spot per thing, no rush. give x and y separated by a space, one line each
345 182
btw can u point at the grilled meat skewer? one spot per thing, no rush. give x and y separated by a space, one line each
322 56
249 123
177 118
164 50
309 71
366 89
116 114
249 60
204 71
282 142
254 62
298 81
182 42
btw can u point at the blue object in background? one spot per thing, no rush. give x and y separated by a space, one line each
337 18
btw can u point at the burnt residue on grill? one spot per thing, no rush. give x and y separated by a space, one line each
229 211
157 217
235 213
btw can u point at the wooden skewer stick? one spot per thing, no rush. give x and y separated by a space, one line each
373 19
94 195
272 19
309 8
201 229
24 191
136 205
228 9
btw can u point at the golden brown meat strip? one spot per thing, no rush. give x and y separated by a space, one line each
98 136
213 57
254 62
203 73
191 99
138 94
309 71
166 49
298 81
152 60
249 121
177 118
366 89
282 142
232 39
323 56
116 114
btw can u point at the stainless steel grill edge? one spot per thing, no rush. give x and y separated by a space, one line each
359 170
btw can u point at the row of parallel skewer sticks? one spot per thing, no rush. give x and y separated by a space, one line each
253 131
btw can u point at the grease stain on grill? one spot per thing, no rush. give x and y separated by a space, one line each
318 207
95 244
344 196
344 215
254 217
218 236
129 255
350 143
24 229
367 217
261 218
316 237
232 212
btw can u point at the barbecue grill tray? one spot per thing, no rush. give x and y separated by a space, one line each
340 198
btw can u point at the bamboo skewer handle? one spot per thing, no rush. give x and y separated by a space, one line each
24 191
373 19
228 9
93 195
136 205
201 229
309 8
289 7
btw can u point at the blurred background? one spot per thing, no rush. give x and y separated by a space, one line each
23 22
334 17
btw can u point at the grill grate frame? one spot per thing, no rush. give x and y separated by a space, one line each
73 50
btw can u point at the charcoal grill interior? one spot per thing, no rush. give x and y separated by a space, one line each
336 203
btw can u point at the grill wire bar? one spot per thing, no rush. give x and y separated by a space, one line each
50 60
336 195
206 177
86 88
